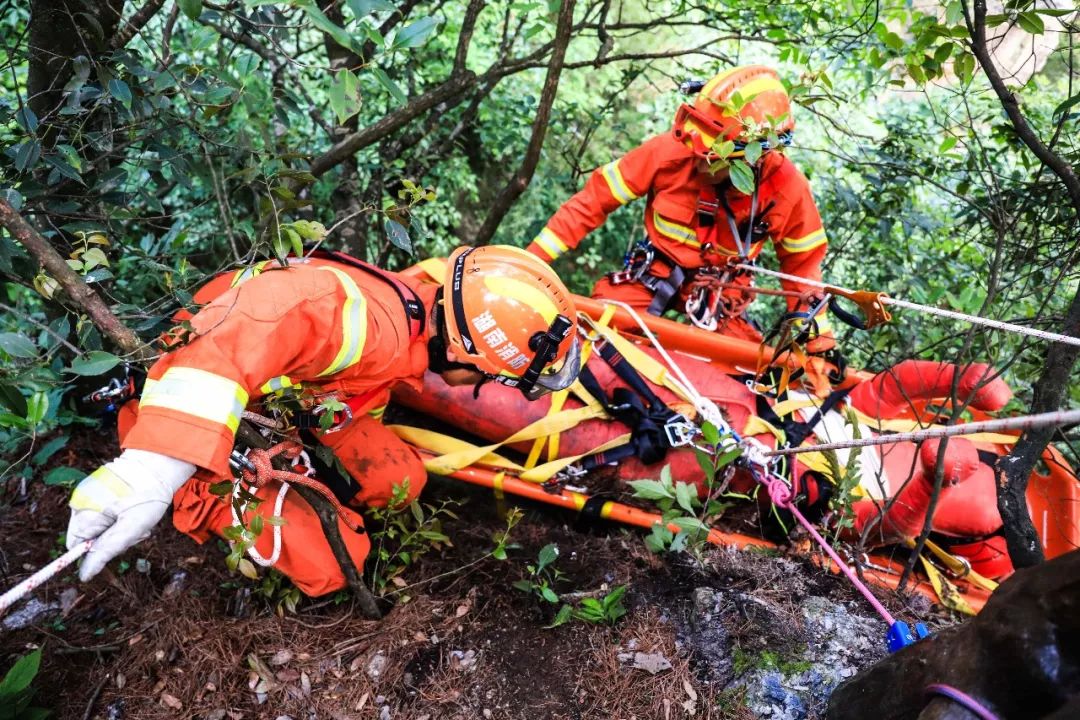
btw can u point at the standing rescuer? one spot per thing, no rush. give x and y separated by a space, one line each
327 326
698 224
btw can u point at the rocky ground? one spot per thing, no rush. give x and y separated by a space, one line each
171 633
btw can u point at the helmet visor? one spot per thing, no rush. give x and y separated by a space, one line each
555 380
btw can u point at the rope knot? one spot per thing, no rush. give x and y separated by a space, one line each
779 492
262 460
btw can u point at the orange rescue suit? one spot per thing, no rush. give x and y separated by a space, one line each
663 170
319 326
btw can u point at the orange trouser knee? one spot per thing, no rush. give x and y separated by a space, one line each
374 456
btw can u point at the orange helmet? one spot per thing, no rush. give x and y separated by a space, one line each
713 116
509 315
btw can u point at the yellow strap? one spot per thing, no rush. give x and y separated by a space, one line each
543 473
438 443
559 399
497 485
957 566
647 366
469 454
452 447
947 593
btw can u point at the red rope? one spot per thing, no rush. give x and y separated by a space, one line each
265 472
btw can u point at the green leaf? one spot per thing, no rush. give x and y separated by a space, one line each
21 674
742 177
390 86
561 617
953 12
94 362
363 8
27 120
65 476
13 400
893 41
650 490
686 496
548 554
37 407
752 152
415 34
964 67
1065 106
27 154
191 8
398 235
17 345
944 52
689 524
48 450
345 95
319 20
296 244
549 595
710 433
120 90
947 144
1031 22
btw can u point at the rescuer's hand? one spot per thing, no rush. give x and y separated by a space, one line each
120 503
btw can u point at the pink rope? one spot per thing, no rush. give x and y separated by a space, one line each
780 494
962 699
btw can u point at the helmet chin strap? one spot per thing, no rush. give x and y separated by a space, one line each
438 361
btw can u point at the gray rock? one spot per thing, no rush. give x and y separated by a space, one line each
33 611
790 656
652 663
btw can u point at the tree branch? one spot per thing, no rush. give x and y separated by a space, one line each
81 294
465 37
391 122
135 23
523 176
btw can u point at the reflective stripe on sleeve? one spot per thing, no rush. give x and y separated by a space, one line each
808 242
617 185
277 384
198 393
551 243
99 489
678 233
353 324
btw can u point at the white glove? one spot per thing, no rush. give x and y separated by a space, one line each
118 504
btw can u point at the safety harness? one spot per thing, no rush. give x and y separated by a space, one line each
654 427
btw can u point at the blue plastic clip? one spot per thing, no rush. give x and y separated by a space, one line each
900 635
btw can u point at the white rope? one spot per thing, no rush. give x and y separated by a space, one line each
28 585
952 315
1025 422
278 503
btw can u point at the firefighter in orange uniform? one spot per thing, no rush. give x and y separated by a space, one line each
698 224
325 326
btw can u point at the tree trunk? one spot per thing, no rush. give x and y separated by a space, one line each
61 30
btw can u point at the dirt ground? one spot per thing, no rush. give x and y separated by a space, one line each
171 633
